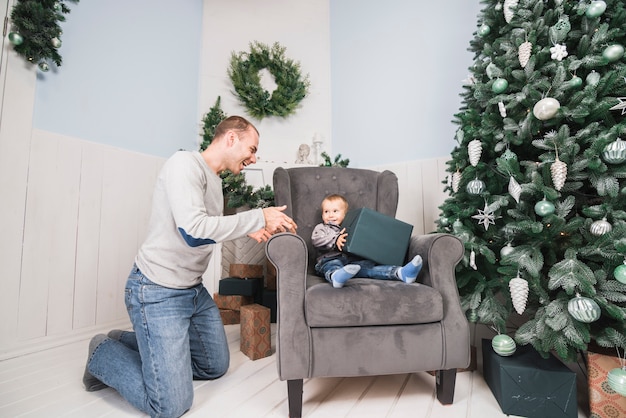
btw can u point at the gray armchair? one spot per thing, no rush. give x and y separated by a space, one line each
368 327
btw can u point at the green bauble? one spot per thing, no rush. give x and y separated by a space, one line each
576 81
617 380
615 152
595 9
583 309
475 187
503 345
43 66
544 208
15 38
613 52
620 273
499 85
484 30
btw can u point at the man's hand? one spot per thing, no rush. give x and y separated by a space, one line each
341 239
260 236
276 221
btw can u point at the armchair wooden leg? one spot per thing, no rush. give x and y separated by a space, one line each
294 397
445 385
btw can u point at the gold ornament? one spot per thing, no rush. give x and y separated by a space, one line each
559 173
519 293
474 149
523 53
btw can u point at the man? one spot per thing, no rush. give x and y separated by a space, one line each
178 333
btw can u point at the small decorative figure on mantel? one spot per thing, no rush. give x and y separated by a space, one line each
303 154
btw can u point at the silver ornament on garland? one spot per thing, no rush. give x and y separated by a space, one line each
600 227
456 181
519 293
558 169
615 152
546 108
595 9
474 150
583 309
515 190
523 53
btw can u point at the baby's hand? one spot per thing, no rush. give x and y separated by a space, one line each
341 239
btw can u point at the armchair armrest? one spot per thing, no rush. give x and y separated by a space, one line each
440 255
289 254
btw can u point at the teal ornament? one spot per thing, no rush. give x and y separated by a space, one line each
43 66
499 85
475 187
615 152
457 225
613 52
617 380
620 273
559 31
583 309
484 30
503 345
595 9
15 38
544 208
472 315
443 221
592 79
576 81
546 108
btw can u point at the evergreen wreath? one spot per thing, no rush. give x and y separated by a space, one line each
35 31
291 88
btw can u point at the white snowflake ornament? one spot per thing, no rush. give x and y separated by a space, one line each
558 52
485 217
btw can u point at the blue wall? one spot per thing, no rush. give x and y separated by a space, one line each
129 77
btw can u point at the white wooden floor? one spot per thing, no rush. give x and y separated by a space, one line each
48 384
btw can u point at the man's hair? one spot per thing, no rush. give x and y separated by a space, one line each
235 123
334 197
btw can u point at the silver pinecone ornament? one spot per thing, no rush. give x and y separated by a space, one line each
474 149
559 173
523 53
519 293
456 181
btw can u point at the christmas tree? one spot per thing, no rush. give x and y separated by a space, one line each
537 182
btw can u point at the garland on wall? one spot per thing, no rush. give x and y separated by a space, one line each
35 31
291 88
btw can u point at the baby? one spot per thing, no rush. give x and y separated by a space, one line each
338 267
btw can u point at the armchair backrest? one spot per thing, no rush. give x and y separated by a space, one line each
302 189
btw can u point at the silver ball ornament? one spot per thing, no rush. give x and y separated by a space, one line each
593 78
546 108
595 9
475 187
43 66
615 152
56 42
583 309
600 227
613 52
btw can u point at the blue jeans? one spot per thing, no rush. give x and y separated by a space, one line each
369 269
178 336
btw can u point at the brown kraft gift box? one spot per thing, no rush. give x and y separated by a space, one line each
255 331
604 402
230 317
246 271
234 302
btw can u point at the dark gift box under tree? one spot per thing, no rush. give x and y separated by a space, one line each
528 385
243 287
376 236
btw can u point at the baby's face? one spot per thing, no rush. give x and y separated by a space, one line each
333 211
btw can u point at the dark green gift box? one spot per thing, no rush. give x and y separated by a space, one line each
377 237
242 287
528 385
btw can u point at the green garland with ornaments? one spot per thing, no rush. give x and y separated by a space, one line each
291 88
35 31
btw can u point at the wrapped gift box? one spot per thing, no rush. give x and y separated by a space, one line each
528 385
232 302
244 287
230 316
604 402
246 271
255 331
377 237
